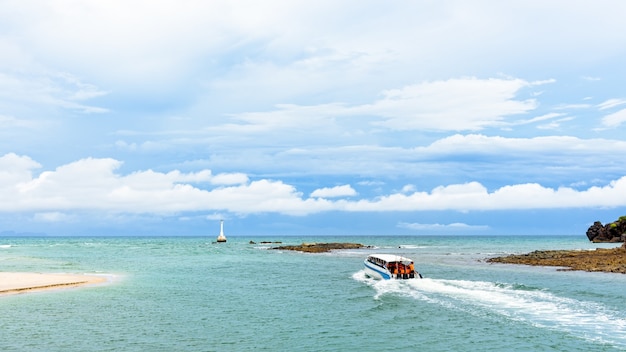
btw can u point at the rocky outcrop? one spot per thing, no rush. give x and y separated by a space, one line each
605 260
602 259
611 232
321 247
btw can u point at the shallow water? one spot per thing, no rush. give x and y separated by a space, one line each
189 294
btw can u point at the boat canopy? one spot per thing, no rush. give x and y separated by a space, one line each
389 258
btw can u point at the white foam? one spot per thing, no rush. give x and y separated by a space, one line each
361 277
5 246
411 246
532 306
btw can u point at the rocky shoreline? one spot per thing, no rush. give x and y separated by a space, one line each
599 260
321 247
612 260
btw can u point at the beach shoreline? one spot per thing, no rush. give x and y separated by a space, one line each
23 282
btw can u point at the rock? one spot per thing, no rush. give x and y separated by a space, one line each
605 260
611 232
595 231
321 247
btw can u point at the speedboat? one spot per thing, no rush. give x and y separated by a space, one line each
390 266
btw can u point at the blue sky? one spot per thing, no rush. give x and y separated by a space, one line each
326 117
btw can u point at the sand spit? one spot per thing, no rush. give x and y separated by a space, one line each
13 283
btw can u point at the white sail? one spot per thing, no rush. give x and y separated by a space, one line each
221 237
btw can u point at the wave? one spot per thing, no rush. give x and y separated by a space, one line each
402 246
411 246
516 302
5 246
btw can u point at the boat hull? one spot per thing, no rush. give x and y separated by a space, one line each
376 272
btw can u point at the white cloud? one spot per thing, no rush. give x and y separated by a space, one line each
611 103
244 46
201 39
557 145
12 162
48 89
452 105
95 185
292 117
15 169
332 192
572 106
545 117
408 188
554 124
230 179
615 119
216 216
474 196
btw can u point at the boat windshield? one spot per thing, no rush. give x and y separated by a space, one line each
376 261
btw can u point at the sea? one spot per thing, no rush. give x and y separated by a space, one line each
192 294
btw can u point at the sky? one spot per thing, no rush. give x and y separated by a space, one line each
311 118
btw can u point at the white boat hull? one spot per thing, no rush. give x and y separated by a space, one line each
376 272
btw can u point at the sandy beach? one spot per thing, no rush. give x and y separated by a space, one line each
14 282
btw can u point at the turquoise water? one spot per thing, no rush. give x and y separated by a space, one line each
189 294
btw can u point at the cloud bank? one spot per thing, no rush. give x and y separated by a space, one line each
96 184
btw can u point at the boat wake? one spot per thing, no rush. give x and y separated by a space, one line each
539 308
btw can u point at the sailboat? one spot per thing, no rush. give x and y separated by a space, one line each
221 237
